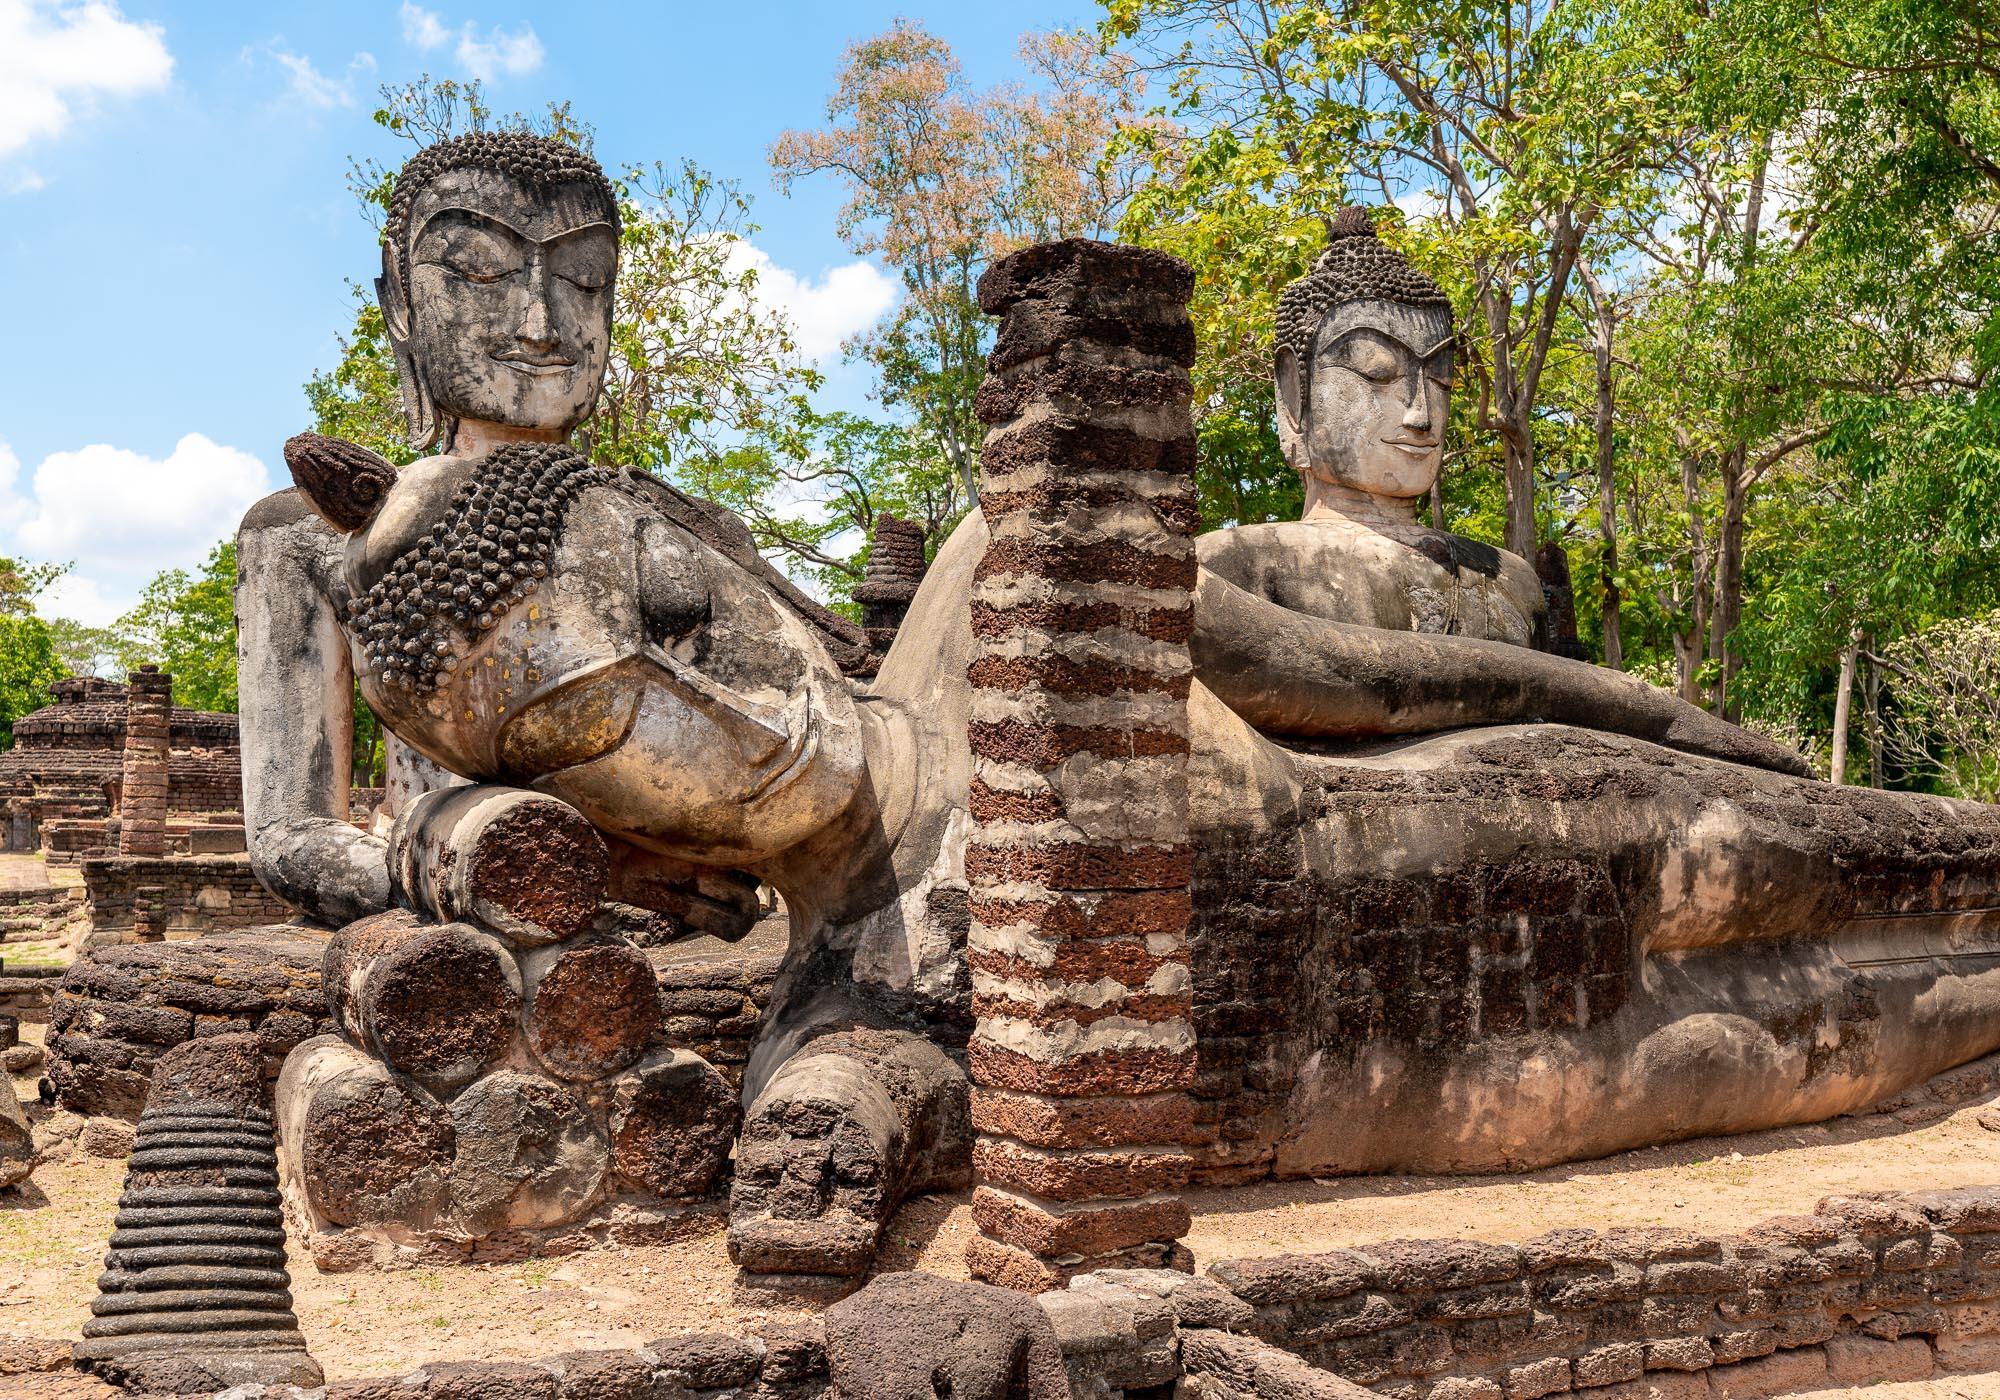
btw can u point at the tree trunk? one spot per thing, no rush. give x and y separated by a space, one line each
1728 608
1735 494
1520 467
1688 647
1871 692
1607 495
1843 702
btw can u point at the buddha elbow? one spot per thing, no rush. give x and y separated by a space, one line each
329 870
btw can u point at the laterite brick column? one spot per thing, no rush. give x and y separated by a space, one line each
1079 859
142 812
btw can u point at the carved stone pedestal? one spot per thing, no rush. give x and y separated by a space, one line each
195 1296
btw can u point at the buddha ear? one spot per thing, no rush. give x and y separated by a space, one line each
419 409
1291 404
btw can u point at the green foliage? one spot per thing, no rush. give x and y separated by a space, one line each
29 661
1947 724
186 624
1781 217
358 399
28 666
811 493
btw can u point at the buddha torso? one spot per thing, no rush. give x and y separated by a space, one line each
1428 581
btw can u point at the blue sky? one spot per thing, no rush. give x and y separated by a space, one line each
178 237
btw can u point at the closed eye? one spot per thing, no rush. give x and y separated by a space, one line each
1369 355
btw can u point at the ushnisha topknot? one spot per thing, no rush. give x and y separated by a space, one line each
541 161
1356 266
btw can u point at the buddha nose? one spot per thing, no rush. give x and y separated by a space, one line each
536 331
1417 413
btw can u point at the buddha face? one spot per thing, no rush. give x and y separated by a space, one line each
507 317
1371 414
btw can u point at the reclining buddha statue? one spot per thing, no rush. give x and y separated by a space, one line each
1458 904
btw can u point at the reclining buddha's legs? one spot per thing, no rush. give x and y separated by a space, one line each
1504 948
855 1118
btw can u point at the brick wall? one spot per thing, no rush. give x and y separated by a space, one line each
1289 963
202 893
1865 1290
1880 1283
713 1006
142 804
119 1008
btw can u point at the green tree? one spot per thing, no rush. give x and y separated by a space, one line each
84 651
941 178
186 624
29 662
812 495
1509 128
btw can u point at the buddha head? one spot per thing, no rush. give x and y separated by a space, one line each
498 259
1364 368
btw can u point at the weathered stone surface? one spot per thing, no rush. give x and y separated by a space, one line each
346 484
593 1009
914 1336
528 1154
1089 374
118 1007
488 1380
1787 1373
673 1122
1091 1229
1253 1368
109 1138
367 1147
17 1141
440 1002
516 862
1869 1361
835 1141
195 1296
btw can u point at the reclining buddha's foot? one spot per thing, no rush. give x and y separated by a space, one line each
845 1130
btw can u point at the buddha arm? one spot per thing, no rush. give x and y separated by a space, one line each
296 686
1295 675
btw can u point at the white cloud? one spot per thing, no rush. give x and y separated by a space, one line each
485 56
27 182
80 599
500 52
846 301
122 516
314 88
422 27
56 59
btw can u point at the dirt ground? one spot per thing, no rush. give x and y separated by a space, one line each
52 1239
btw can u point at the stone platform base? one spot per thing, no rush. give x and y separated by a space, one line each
627 1221
117 1010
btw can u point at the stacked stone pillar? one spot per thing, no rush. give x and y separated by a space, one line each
142 813
1079 862
501 1081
